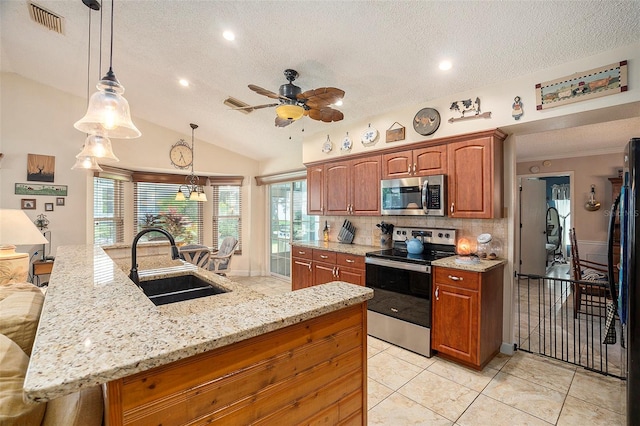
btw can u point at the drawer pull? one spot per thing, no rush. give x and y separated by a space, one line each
302 252
351 261
394 310
454 278
322 256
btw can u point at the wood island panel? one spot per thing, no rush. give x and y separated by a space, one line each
310 372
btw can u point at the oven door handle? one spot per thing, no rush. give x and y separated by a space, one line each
425 269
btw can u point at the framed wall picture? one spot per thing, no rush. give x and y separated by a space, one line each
28 204
39 189
40 168
48 207
603 81
60 201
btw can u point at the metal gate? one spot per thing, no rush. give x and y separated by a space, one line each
567 320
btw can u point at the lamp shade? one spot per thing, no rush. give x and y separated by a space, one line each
108 112
99 147
290 112
87 163
16 229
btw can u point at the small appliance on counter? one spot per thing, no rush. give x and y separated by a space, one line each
400 311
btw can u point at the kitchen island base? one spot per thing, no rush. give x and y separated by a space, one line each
310 372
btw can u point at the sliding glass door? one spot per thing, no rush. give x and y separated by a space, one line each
288 222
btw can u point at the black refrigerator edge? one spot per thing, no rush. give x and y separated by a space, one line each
629 290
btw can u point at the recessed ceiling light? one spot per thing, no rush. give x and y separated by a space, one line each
339 103
445 65
183 82
229 35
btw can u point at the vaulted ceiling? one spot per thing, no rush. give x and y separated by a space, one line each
384 55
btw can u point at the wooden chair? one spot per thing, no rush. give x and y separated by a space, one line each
594 290
221 260
197 254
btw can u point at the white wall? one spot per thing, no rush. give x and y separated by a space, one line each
38 119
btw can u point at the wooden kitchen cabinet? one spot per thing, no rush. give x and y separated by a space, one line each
474 170
315 190
352 187
466 323
427 161
317 266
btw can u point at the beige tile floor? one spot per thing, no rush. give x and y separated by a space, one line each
524 389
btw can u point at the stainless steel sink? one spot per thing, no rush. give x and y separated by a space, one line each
177 289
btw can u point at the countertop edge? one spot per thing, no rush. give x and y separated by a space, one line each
483 265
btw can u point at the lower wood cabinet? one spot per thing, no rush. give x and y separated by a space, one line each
317 266
466 323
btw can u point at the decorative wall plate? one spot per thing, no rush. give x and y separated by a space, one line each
327 146
347 143
426 121
369 136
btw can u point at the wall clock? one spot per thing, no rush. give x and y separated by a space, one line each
426 121
181 155
369 136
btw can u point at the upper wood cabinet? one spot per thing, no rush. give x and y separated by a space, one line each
315 190
427 161
474 175
352 187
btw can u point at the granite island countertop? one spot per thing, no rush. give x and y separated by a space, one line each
97 326
483 265
355 249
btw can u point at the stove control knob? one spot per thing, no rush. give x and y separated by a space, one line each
404 232
447 235
439 234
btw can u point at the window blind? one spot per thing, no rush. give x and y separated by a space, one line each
155 207
227 214
108 211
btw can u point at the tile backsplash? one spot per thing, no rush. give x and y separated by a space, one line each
367 233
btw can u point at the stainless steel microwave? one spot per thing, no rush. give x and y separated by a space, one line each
414 196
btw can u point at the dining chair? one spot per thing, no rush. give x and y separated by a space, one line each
593 291
221 260
197 254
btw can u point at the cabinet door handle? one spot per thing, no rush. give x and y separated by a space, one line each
452 205
438 293
337 271
394 310
409 170
414 168
454 278
351 261
322 256
309 266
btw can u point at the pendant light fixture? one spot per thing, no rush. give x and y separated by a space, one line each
192 187
108 113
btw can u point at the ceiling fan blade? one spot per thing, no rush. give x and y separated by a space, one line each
326 114
264 92
321 97
282 122
256 106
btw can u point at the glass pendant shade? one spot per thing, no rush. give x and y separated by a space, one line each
86 163
202 196
290 112
180 195
99 147
108 112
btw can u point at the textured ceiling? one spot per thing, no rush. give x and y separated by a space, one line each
383 54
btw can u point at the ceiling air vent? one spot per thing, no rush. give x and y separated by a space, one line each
45 18
236 103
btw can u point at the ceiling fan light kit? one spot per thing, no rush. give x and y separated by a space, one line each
293 104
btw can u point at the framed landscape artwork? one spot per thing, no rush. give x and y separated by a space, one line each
603 81
28 204
40 168
38 189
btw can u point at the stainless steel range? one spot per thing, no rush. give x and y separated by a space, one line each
400 311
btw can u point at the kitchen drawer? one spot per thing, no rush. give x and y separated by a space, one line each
457 278
302 252
350 260
324 256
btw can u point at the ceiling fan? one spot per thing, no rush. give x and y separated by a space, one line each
293 104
